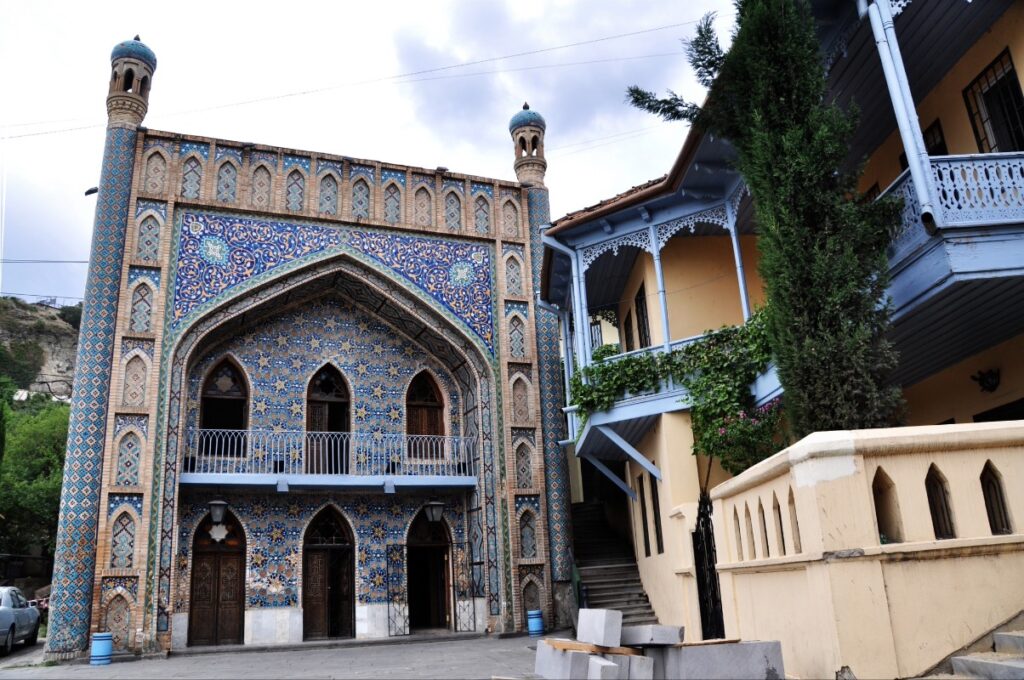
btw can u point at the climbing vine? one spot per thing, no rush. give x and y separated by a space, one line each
717 371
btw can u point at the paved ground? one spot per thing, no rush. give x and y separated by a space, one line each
471 658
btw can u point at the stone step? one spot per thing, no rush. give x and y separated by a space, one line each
605 569
1010 642
636 591
609 563
993 665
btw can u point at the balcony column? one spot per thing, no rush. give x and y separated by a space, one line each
659 275
584 329
576 299
880 16
737 256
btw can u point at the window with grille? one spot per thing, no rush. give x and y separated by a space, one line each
996 107
596 337
643 327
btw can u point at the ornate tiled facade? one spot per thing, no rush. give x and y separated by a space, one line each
285 262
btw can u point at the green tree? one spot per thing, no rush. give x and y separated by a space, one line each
21 361
822 249
72 314
30 477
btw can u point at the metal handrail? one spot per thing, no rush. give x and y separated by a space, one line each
297 452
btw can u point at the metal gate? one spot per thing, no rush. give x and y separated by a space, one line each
708 593
463 587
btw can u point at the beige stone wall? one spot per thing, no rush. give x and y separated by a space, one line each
945 102
830 590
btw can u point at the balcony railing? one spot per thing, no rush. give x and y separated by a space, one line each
266 452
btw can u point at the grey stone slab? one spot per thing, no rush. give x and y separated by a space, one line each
600 668
733 660
622 661
641 668
651 635
990 665
1010 642
556 664
600 627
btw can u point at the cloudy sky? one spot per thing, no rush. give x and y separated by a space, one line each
420 83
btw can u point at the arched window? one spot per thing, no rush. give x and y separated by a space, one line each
513 276
423 208
129 80
938 503
424 415
510 219
524 467
128 453
156 174
517 338
520 401
147 246
329 195
327 416
295 191
392 204
527 536
134 392
227 183
224 399
452 211
191 177
142 309
887 508
995 500
122 542
531 596
262 183
117 618
361 199
482 215
739 534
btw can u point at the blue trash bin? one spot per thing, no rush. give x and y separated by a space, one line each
102 648
535 622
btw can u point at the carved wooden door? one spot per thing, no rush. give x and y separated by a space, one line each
344 584
217 607
202 618
314 595
230 599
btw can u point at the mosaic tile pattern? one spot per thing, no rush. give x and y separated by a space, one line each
75 558
367 171
520 308
129 451
201 148
229 152
550 380
155 180
124 422
268 157
191 177
396 175
423 179
129 345
527 502
295 191
159 207
478 188
275 525
453 184
218 253
280 355
119 584
291 161
132 500
336 166
136 273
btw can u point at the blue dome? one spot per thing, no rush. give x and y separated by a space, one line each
135 50
527 117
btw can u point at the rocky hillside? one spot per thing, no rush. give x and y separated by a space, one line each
36 335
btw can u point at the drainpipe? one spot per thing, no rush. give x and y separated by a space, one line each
579 318
737 255
659 275
588 350
903 107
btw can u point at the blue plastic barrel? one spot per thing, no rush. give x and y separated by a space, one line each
102 647
535 622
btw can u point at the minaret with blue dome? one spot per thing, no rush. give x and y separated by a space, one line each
527 128
72 597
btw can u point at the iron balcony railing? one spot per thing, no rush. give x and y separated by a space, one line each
233 452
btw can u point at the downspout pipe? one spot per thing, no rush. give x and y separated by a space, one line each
579 319
737 256
906 120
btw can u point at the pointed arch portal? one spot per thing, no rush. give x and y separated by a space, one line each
429 567
217 605
328 578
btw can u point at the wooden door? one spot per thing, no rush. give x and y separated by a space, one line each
217 608
345 602
314 595
230 598
202 618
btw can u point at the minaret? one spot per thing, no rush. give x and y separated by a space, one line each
527 128
132 67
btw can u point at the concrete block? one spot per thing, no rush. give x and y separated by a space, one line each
651 635
622 661
600 668
641 668
600 627
556 664
723 661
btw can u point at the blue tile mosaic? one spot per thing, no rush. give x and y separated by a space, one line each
129 345
396 175
268 157
531 502
428 180
367 171
458 185
336 166
138 422
291 161
478 188
75 555
510 248
201 148
129 585
150 273
229 152
167 145
159 207
117 500
520 308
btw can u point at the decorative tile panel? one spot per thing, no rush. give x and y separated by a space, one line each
428 180
218 253
530 502
116 500
291 161
520 308
336 166
201 148
229 152
122 584
268 157
136 273
129 345
159 207
477 188
396 175
524 434
139 422
367 171
453 184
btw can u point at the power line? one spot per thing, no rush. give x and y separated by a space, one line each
6 261
401 78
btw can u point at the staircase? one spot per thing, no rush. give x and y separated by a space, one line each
607 567
1007 661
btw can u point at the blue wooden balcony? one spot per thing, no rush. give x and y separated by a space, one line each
311 460
960 289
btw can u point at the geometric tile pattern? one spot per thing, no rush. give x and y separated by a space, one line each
262 183
275 525
296 161
126 584
122 542
452 212
360 199
524 467
476 188
148 241
227 182
393 175
75 558
191 177
520 308
134 394
129 345
510 219
136 273
141 309
527 535
116 500
328 195
127 470
392 204
513 276
294 191
217 253
555 465
528 502
159 207
482 215
122 423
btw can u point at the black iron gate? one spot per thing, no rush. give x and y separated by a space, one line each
463 589
711 623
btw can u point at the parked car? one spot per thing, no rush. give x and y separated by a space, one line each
18 620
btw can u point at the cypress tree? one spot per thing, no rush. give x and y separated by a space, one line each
823 257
